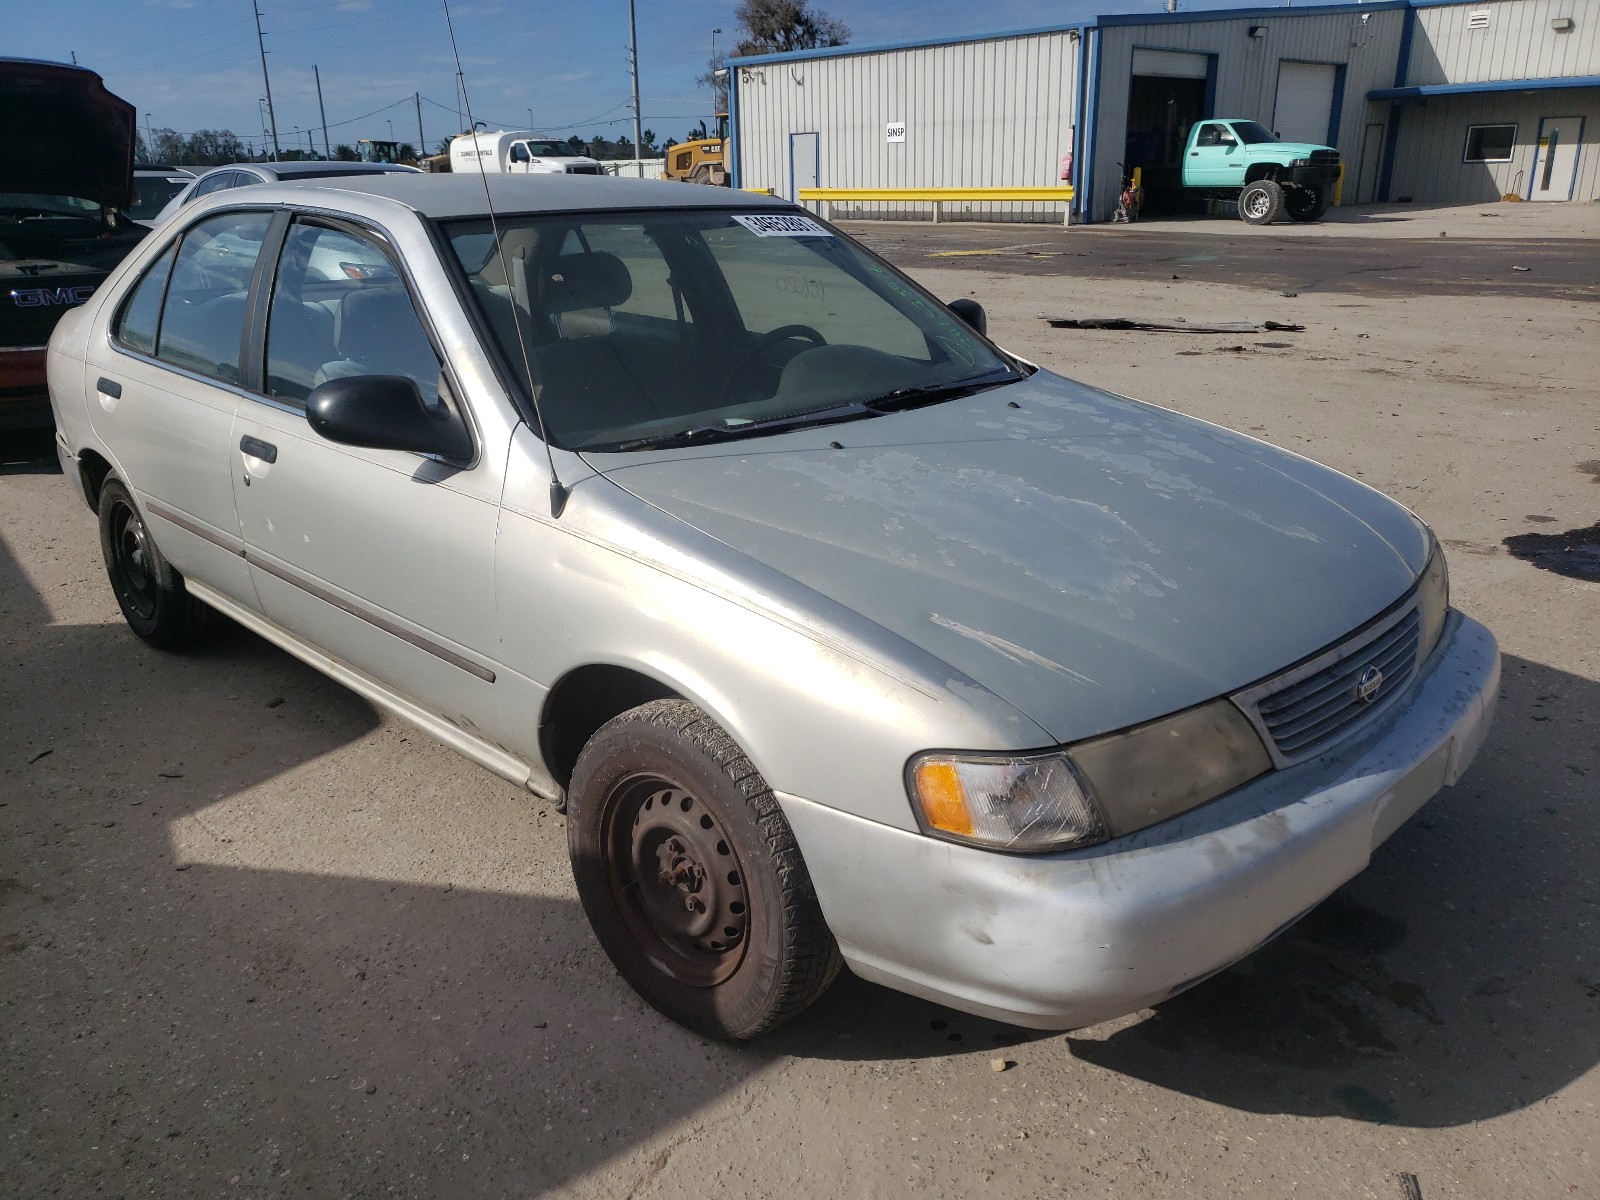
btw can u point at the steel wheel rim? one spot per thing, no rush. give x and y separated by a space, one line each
130 555
1256 204
676 880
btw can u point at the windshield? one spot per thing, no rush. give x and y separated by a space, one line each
18 205
151 193
551 150
1252 134
644 328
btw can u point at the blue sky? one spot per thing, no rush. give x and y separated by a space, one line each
192 64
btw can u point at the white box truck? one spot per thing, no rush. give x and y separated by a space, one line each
514 152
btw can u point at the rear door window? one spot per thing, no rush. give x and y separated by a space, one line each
140 318
202 322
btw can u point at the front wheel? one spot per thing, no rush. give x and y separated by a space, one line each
150 593
1305 203
691 877
1260 202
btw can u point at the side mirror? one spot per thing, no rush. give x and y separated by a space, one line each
972 313
385 412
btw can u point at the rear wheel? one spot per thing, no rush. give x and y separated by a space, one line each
691 877
150 593
1305 203
701 174
1260 202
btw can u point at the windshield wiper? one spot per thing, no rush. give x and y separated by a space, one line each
933 393
700 435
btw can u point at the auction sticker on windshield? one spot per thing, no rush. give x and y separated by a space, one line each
780 225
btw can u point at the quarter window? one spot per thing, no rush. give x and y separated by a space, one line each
1489 143
141 313
339 310
202 322
213 183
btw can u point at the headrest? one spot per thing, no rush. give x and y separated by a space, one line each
371 319
573 282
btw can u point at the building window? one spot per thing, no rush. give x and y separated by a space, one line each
1489 143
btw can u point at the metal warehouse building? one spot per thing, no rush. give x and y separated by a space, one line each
1434 101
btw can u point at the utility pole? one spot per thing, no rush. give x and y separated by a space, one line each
149 139
322 112
74 54
422 142
262 46
633 61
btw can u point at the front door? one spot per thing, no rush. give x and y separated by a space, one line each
382 558
804 163
1555 160
1216 159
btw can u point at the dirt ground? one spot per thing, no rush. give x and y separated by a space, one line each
257 939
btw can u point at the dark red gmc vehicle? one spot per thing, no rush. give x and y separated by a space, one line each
66 170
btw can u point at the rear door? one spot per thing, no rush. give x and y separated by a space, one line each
166 388
383 558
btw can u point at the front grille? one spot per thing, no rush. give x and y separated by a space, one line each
1309 714
1324 158
586 171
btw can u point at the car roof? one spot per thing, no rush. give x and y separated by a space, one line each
443 196
144 168
315 167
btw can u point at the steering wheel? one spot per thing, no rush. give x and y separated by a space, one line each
765 342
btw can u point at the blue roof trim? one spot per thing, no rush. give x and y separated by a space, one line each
1158 18
1422 91
756 60
1237 14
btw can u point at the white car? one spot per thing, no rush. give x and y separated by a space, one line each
843 635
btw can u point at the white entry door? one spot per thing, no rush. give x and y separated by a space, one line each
1304 112
804 163
1555 160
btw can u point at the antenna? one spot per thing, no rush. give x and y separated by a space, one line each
558 490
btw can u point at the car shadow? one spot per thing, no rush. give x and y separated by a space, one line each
177 973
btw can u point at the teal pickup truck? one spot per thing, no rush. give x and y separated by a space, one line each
1230 159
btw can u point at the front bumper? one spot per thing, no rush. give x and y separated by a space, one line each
1322 177
1067 940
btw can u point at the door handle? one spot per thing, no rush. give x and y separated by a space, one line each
110 387
256 448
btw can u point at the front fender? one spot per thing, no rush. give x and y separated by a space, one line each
826 704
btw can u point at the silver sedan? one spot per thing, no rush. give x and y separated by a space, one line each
842 635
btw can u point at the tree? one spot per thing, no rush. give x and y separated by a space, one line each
716 78
407 150
579 146
778 26
345 152
647 144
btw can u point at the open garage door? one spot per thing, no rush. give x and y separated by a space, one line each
1305 102
1167 94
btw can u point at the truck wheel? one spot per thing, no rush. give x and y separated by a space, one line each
1261 202
702 175
690 874
1305 203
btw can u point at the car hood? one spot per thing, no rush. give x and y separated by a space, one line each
1290 149
1095 561
63 134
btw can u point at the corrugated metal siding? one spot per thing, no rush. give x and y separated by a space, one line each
1518 44
989 113
1247 73
1428 166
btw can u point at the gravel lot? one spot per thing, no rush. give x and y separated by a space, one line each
257 939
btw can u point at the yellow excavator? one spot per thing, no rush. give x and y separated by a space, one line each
703 160
373 150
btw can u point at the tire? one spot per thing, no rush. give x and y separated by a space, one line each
1305 203
701 175
1261 202
690 875
150 593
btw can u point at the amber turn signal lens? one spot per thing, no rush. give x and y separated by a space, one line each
944 800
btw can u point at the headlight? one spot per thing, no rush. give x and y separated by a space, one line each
1022 803
1152 772
1433 599
1300 162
